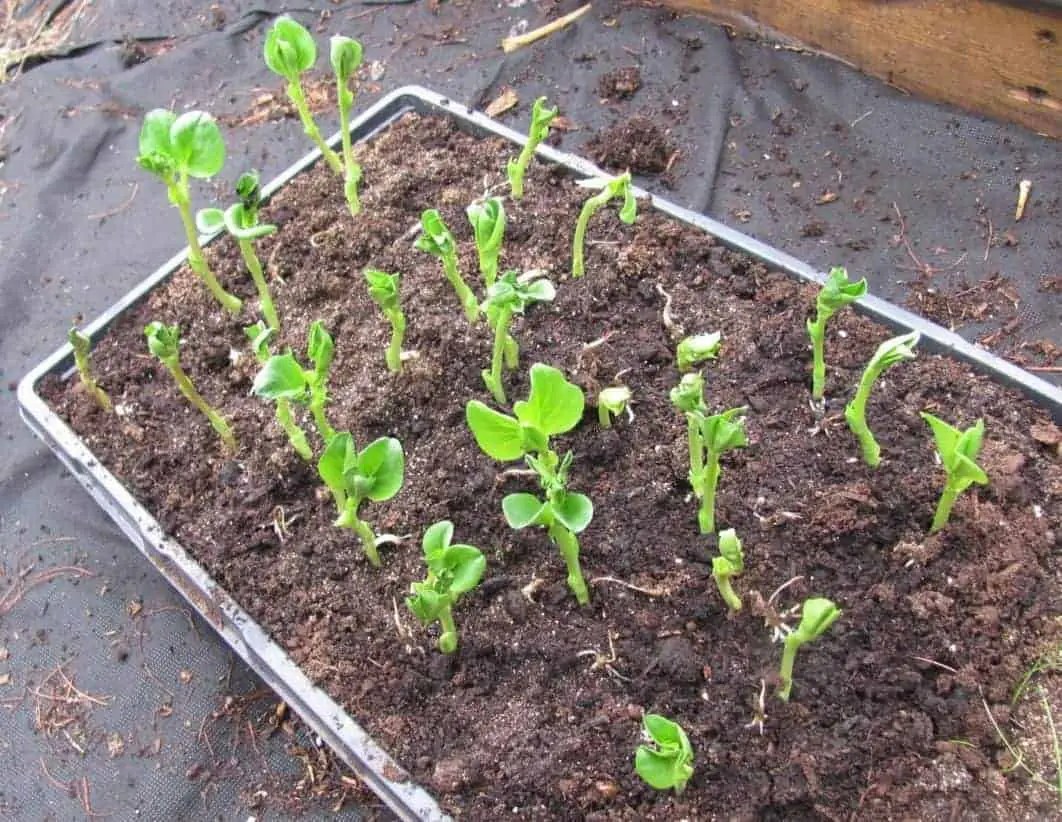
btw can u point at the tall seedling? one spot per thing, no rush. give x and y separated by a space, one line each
553 407
508 296
610 188
541 117
174 149
258 335
958 451
837 292
888 354
439 242
241 221
346 57
290 52
488 226
82 346
383 288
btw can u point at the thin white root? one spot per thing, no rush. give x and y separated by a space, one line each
673 329
1024 187
659 591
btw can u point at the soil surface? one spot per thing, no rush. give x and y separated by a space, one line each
619 84
637 145
538 714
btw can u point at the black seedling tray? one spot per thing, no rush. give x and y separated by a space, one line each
408 800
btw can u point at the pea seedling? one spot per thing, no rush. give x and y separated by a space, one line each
509 295
82 346
439 242
173 149
541 117
290 52
696 349
616 187
375 473
164 342
346 57
554 406
383 288
958 452
488 226
816 616
283 377
730 563
666 763
837 292
241 221
259 335
611 402
453 570
889 353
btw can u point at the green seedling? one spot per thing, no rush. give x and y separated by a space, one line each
541 117
346 57
290 52
259 335
611 402
282 377
696 349
82 346
510 295
616 187
439 242
958 452
241 221
164 342
383 288
174 149
730 563
837 292
816 616
709 436
488 226
453 570
889 353
666 763
375 473
554 406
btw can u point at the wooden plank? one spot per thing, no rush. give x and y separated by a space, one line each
998 59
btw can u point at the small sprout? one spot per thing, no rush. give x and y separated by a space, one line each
616 187
698 348
958 452
611 402
346 57
290 52
541 117
173 149
488 225
374 473
259 335
383 288
837 292
283 377
241 221
439 242
816 616
554 406
730 563
82 346
667 762
889 353
164 342
509 295
453 570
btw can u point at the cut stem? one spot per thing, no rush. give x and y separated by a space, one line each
250 258
792 645
817 332
568 544
592 205
310 127
604 418
398 332
947 500
706 514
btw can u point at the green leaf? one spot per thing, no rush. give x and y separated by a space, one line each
498 436
726 431
198 147
281 376
615 398
838 291
436 239
209 220
662 730
338 457
383 288
240 226
969 444
155 133
541 117
946 436
163 340
554 405
488 223
698 348
670 763
436 540
522 510
320 348
964 472
289 48
730 548
427 603
816 616
383 463
574 511
345 56
259 335
657 769
688 395
466 565
894 350
539 291
248 192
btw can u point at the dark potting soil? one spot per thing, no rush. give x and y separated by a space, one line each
638 145
538 714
